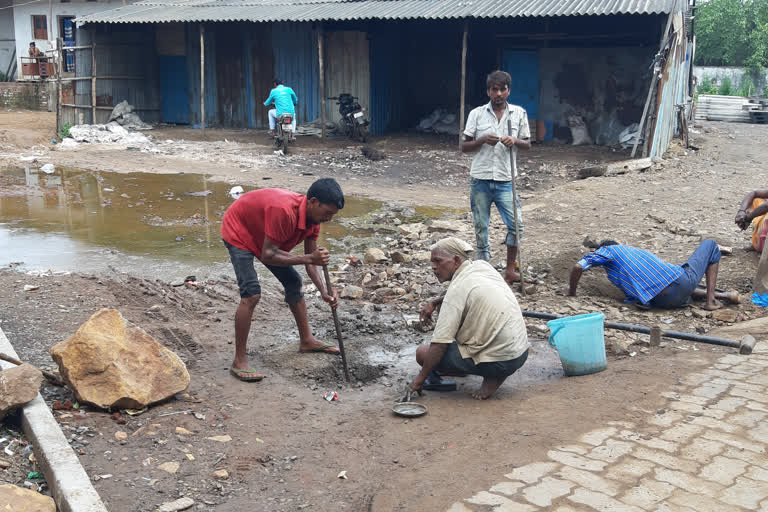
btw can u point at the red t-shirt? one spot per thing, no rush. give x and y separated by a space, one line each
280 215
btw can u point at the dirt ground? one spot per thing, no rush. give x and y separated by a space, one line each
288 444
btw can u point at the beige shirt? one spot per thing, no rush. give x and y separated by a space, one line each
481 314
492 162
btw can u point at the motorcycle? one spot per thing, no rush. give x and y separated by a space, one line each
353 121
283 132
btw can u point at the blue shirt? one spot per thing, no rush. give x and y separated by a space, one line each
284 99
638 273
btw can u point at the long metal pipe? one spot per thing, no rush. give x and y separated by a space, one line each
647 330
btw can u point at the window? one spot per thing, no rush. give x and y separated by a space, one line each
39 27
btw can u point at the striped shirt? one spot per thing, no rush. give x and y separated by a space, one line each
638 273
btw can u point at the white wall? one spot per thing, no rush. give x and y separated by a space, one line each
22 19
716 74
7 42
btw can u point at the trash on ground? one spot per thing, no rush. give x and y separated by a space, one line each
124 115
331 396
236 192
106 133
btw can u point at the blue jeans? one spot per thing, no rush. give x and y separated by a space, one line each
482 193
679 292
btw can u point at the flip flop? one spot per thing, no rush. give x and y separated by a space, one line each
321 348
238 374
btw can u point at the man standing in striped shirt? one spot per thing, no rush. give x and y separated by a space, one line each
646 279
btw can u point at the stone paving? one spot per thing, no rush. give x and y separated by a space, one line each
704 451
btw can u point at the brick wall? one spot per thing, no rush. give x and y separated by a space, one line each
26 95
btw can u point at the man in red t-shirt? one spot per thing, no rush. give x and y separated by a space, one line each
267 224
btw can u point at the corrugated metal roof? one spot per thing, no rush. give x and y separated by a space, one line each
163 11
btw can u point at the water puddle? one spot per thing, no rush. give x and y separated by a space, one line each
88 221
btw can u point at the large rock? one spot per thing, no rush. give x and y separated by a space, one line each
374 255
351 292
115 365
411 229
450 226
18 499
725 315
400 257
18 386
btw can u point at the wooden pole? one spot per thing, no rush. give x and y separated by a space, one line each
322 78
93 80
202 79
50 20
514 211
463 81
59 62
336 323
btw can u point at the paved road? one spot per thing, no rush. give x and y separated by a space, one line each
704 451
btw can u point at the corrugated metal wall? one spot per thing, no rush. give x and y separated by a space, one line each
294 47
82 88
347 69
231 86
673 88
126 69
193 63
386 104
260 72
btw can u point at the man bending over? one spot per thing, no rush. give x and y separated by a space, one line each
266 224
646 279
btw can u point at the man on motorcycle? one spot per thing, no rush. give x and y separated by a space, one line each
284 99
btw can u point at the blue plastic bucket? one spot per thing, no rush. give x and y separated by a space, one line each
579 342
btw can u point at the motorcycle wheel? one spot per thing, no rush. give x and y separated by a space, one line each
363 134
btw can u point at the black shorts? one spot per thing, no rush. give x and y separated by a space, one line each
248 280
452 362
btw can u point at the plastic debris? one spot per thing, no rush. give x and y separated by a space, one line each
236 192
48 169
106 133
342 475
331 396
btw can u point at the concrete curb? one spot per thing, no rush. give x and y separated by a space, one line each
70 486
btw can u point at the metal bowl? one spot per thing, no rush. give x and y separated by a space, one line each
409 409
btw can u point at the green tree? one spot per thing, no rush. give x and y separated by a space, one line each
725 87
721 33
732 33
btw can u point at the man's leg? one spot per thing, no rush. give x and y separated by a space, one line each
294 297
243 316
494 375
250 294
272 114
480 201
704 262
505 201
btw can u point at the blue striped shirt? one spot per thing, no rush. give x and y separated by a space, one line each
638 273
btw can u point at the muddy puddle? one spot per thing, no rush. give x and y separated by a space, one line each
146 223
